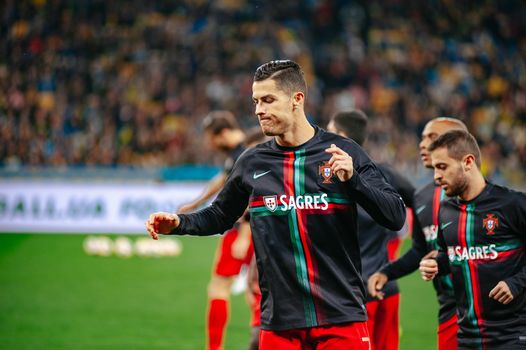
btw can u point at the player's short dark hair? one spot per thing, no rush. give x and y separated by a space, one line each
287 74
352 124
217 121
459 143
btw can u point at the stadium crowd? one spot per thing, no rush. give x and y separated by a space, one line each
105 83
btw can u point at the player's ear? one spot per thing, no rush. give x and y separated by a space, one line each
298 98
468 162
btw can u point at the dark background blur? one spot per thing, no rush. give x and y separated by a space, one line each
126 83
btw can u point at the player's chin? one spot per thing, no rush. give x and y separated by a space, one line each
426 161
268 130
450 192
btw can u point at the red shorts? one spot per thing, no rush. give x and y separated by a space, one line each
383 323
348 336
447 334
225 264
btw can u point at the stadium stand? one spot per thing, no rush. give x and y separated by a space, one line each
126 83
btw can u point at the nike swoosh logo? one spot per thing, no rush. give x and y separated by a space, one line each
257 176
446 225
420 209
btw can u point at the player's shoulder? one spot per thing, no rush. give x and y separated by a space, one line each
255 150
426 190
327 136
346 144
388 171
504 195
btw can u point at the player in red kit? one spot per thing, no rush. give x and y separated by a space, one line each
235 247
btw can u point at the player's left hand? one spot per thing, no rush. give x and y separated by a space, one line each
501 293
341 163
428 269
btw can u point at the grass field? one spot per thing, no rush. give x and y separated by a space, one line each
53 296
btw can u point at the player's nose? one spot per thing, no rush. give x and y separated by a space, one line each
437 177
260 111
422 145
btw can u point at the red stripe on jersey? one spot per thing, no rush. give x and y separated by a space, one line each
475 284
312 266
330 209
256 202
462 226
502 256
436 204
288 173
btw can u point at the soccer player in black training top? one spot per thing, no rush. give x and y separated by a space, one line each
302 188
482 238
383 315
427 203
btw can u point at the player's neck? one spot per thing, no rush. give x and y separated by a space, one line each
298 134
475 187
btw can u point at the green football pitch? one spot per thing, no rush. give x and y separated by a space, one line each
54 296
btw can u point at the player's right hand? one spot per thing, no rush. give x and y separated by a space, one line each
428 269
376 283
161 223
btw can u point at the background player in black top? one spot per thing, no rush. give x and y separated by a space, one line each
383 315
223 134
302 188
425 226
482 239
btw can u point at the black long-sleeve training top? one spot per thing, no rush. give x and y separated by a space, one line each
374 238
482 242
303 222
424 240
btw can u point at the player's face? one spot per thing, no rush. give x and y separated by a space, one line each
274 107
449 172
431 132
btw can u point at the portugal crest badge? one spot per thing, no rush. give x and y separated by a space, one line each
325 171
490 223
271 202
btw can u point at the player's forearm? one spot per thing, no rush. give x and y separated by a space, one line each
517 282
406 264
209 221
380 201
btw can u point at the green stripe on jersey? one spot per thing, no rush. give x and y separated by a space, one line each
508 245
299 189
469 279
263 211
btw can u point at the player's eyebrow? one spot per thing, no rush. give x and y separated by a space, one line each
263 97
429 134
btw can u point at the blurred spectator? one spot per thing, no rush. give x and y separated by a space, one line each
127 82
